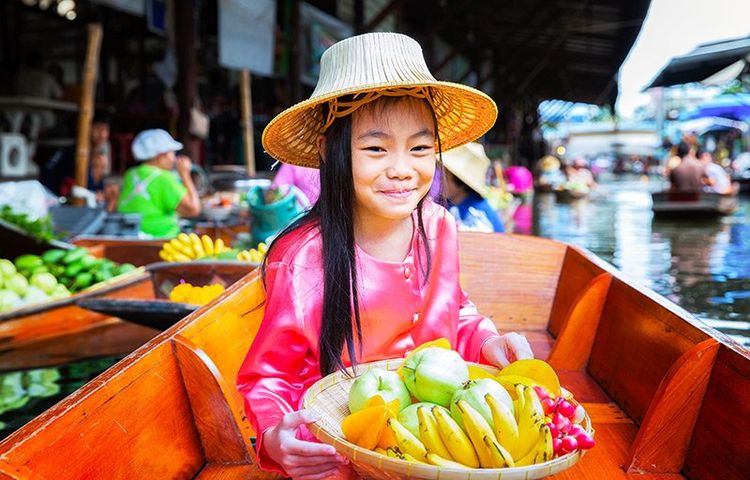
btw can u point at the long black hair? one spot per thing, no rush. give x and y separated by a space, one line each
333 212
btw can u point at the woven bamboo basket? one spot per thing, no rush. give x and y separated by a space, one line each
329 397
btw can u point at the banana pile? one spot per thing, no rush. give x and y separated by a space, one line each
185 248
254 255
517 418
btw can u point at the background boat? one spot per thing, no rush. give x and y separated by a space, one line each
693 204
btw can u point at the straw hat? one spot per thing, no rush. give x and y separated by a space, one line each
469 163
373 65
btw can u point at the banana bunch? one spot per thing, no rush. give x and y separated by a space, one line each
253 255
185 248
507 443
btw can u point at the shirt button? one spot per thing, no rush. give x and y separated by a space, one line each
407 273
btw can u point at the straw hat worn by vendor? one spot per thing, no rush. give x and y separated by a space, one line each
151 188
466 188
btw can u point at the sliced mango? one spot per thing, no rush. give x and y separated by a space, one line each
476 373
537 371
357 425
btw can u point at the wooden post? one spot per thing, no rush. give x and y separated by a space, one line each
246 105
86 105
187 83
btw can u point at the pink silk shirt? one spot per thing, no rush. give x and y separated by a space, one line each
398 308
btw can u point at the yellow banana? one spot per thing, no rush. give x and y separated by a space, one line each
184 238
180 257
208 245
181 247
454 439
168 248
499 457
197 245
477 428
439 461
262 248
542 450
519 401
529 424
505 425
547 450
428 432
219 246
410 458
394 452
165 255
407 442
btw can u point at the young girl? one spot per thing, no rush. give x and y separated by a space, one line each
372 270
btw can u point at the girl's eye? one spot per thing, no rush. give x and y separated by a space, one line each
374 149
421 148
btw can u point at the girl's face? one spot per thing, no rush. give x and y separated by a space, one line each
393 158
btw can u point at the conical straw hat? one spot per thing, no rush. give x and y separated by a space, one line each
374 65
470 164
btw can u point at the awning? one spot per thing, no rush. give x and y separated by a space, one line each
705 61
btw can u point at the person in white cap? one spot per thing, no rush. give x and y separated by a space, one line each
466 189
371 271
151 188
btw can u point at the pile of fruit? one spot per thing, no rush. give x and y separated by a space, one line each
464 417
55 274
254 254
40 228
195 295
185 248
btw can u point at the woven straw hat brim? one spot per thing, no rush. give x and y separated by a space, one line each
469 165
463 114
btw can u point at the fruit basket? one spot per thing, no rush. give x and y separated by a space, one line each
329 398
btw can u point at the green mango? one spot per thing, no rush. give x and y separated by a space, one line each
74 255
53 256
27 262
73 269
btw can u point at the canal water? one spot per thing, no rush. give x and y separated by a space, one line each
701 265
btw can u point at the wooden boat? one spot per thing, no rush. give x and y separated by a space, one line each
668 395
63 331
692 204
58 332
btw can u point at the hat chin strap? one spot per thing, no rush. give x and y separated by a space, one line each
338 108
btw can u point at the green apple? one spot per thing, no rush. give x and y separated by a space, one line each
378 381
7 268
473 392
408 416
434 374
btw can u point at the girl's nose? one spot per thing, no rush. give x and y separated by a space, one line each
400 166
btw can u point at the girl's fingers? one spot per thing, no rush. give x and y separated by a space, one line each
309 449
315 461
316 475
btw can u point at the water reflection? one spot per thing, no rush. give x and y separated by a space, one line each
702 265
26 394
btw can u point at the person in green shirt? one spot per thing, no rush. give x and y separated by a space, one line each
153 190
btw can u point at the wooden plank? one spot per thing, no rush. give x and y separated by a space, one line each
662 441
490 266
573 346
577 270
150 427
110 338
65 319
720 447
638 335
604 461
218 425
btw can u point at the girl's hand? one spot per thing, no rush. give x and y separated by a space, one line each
505 349
300 459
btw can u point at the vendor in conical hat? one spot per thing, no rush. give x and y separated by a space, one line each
466 188
371 270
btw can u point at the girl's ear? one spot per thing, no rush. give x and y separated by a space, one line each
322 147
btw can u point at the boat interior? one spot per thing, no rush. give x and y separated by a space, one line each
666 394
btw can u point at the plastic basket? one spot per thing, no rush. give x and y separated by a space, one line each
329 397
269 219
